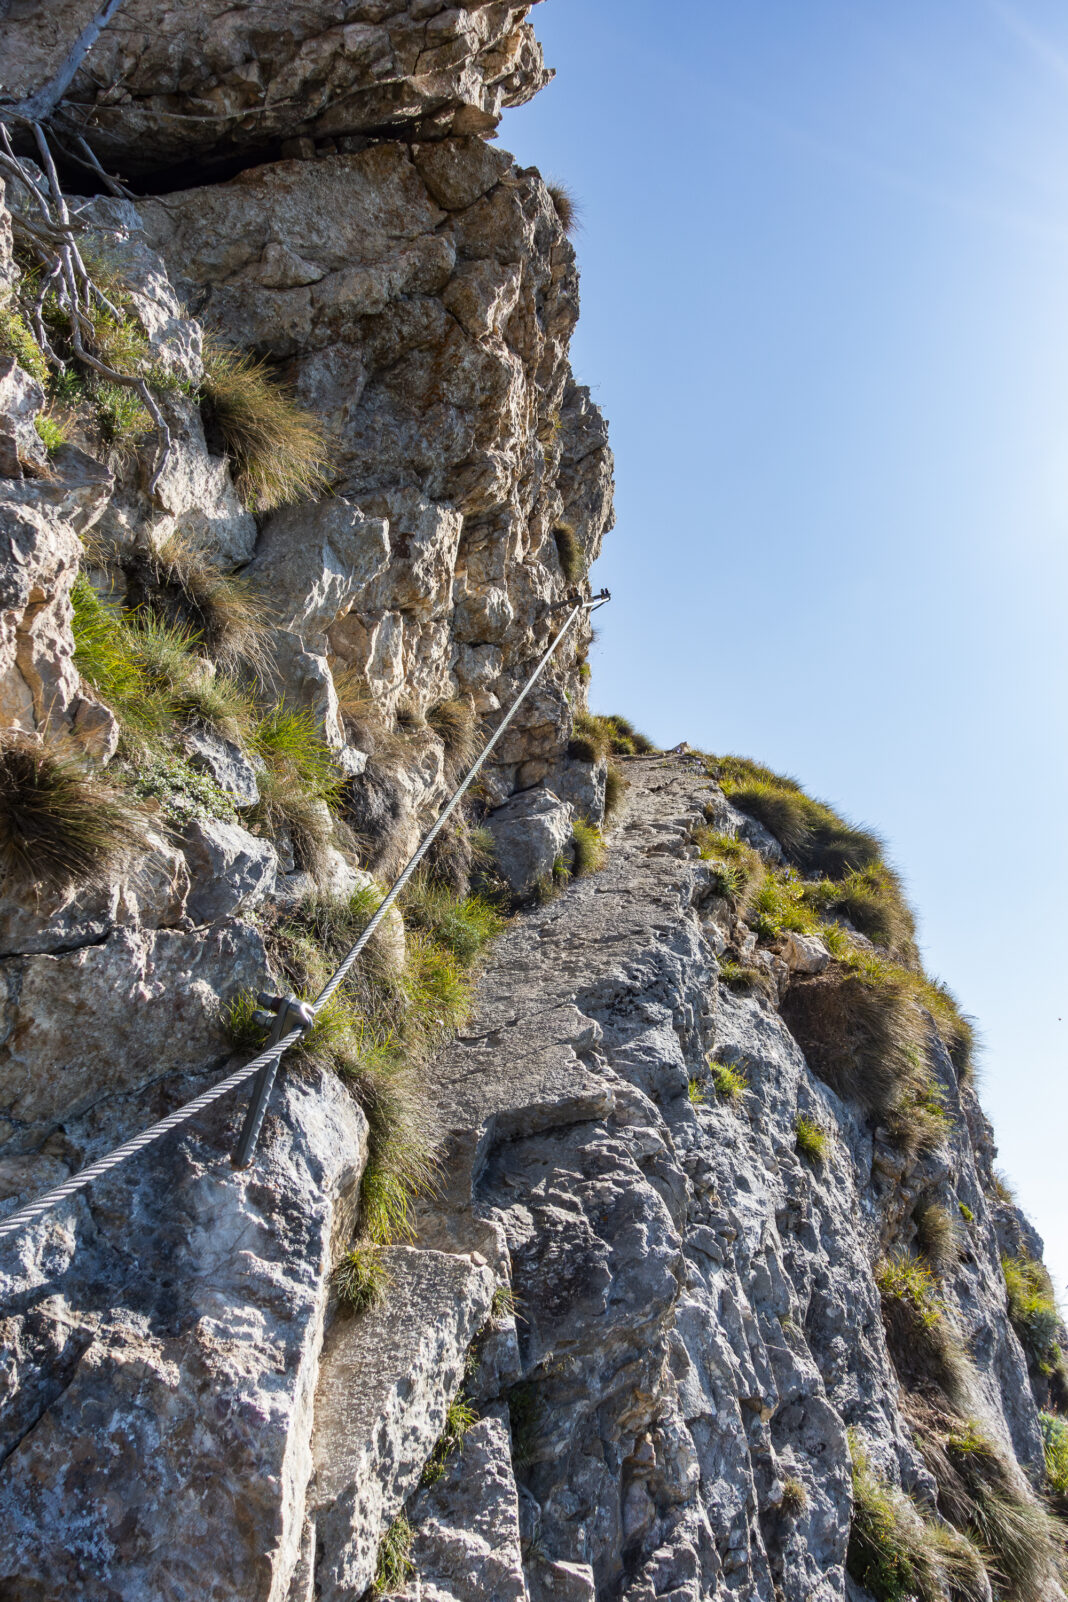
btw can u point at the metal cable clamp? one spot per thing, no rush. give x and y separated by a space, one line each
284 1014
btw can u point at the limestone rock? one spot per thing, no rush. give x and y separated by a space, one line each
201 80
110 1018
163 1398
231 870
313 561
466 1524
805 953
21 398
225 761
530 833
386 1380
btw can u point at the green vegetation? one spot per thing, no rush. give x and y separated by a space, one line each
810 1139
157 679
899 1552
458 1420
740 975
276 447
361 1279
864 1024
1036 1317
379 1028
695 1091
1055 1446
16 339
463 925
736 868
730 1082
984 1495
587 844
181 587
503 1303
595 737
615 788
571 555
966 1212
60 825
394 1557
928 1350
52 431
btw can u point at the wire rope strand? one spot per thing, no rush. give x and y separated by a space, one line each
32 1211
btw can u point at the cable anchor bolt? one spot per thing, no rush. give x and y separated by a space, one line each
283 1014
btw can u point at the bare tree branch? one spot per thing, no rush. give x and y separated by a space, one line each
52 239
39 106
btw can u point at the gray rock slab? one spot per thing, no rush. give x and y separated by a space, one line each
231 870
466 1546
386 1380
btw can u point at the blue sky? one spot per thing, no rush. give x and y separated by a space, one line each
824 257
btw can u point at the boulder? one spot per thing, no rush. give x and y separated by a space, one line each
313 561
530 832
231 870
805 953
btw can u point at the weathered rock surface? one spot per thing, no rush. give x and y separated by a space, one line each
196 81
697 1320
529 834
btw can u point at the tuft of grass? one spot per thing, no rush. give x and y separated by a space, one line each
52 430
17 340
928 1350
695 1091
503 1303
1033 1311
454 722
589 848
859 1031
458 1420
565 205
463 925
981 1491
809 1139
781 905
871 898
740 976
362 1279
899 1553
1055 1449
737 869
730 1082
180 586
813 836
394 1563
615 788
596 737
966 1212
277 448
570 553
61 826
794 1497
937 1236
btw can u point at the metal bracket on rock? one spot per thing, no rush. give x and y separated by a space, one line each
284 1013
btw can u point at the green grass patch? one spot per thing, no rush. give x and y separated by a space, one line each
362 1279
1033 1311
276 447
458 1420
394 1563
696 1093
730 1082
588 848
927 1348
809 1139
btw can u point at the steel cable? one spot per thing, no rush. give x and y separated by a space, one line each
29 1214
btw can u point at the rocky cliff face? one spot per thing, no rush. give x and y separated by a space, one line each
614 1278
